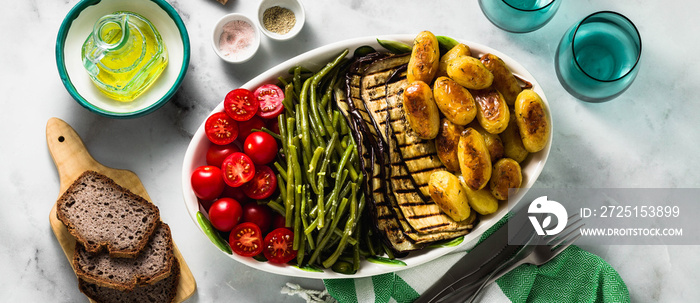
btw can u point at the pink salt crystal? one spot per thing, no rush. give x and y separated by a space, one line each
236 37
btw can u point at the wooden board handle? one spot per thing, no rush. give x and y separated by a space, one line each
68 151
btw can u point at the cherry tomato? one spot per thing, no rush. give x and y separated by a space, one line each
237 169
278 221
261 147
246 127
207 182
236 193
240 104
225 213
269 97
278 246
221 129
216 154
263 184
246 239
259 214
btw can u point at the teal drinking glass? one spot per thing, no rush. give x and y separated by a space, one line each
519 16
598 58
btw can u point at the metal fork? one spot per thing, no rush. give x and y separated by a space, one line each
537 255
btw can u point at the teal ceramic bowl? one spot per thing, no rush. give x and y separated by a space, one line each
78 25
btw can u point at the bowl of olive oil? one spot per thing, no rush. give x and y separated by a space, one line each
122 58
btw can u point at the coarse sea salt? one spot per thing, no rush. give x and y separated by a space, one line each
236 39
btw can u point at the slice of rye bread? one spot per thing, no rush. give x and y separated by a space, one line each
163 291
153 264
101 214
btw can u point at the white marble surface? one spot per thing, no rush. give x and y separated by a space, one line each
645 138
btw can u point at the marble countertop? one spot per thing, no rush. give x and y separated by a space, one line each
645 138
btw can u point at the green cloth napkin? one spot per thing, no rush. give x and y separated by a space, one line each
574 275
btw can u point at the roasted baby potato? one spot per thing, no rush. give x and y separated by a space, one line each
492 110
449 195
455 52
493 142
454 101
481 201
506 174
446 144
503 79
421 112
531 116
469 72
474 159
425 57
512 143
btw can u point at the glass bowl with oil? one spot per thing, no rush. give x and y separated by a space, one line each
122 58
124 55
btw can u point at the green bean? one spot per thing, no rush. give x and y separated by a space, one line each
349 226
340 152
345 157
313 102
288 100
311 172
332 203
338 232
281 184
289 202
281 171
395 46
312 226
296 80
269 132
370 246
212 234
305 118
322 174
316 140
319 76
331 65
336 120
363 51
446 43
356 257
300 251
347 231
297 222
276 207
281 122
304 214
327 237
344 128
281 80
346 189
329 90
388 252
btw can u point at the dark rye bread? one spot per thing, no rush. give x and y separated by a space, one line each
162 291
101 214
153 264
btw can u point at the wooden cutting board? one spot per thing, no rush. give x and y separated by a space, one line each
72 159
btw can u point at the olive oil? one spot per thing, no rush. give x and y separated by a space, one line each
124 55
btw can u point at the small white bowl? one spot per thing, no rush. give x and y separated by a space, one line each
246 53
293 5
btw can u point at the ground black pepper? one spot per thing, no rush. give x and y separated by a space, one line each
279 20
